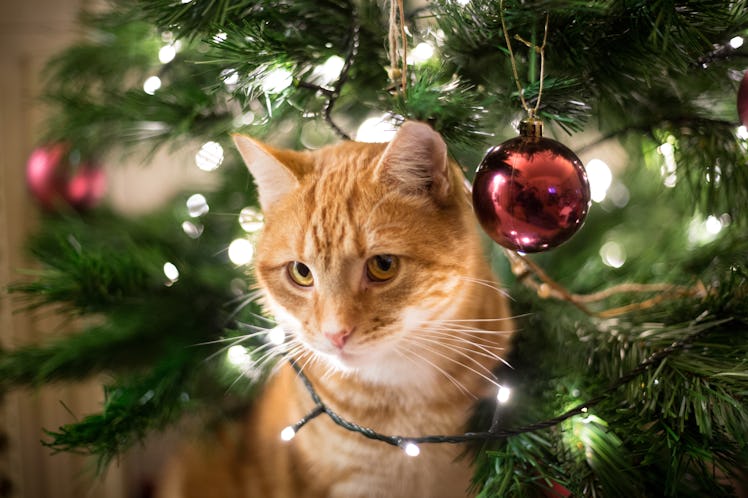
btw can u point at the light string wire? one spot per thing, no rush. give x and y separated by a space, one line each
495 432
332 94
540 50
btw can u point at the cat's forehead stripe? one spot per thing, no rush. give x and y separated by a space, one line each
335 213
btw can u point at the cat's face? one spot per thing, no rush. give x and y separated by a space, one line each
362 245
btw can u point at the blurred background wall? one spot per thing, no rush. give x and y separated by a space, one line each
31 31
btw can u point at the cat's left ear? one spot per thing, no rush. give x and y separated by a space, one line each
416 161
276 172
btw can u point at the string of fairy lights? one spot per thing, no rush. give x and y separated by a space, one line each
410 444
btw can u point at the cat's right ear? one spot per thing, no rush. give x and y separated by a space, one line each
273 178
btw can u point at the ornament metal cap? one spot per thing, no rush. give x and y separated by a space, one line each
531 127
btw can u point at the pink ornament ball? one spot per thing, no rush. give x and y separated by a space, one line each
55 181
531 193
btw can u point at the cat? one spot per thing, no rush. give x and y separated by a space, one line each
371 257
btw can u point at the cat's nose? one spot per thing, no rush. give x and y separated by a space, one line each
339 338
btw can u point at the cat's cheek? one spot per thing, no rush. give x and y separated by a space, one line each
281 315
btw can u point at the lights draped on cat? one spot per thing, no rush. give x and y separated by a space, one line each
371 260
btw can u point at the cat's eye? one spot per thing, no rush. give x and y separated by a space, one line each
300 274
382 267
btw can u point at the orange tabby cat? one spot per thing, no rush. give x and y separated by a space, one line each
371 258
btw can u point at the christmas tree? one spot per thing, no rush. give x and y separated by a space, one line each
630 370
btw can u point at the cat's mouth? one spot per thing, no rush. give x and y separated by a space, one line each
350 357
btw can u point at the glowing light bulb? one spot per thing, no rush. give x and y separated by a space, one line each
151 84
192 230
600 178
736 42
613 254
277 335
250 219
167 53
241 251
376 129
668 171
503 395
210 156
329 70
288 433
742 132
412 449
220 37
420 53
197 205
713 225
230 77
277 80
238 355
171 272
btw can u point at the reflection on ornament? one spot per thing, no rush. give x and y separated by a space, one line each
531 193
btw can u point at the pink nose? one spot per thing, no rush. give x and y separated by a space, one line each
339 338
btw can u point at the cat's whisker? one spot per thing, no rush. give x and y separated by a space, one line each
460 338
251 326
269 355
245 298
435 351
487 283
473 337
240 338
461 351
311 358
439 369
469 320
462 329
459 343
243 301
235 342
264 319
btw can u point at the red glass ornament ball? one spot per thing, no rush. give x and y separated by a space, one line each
54 179
531 193
743 100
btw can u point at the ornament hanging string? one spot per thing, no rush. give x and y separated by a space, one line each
398 45
532 112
